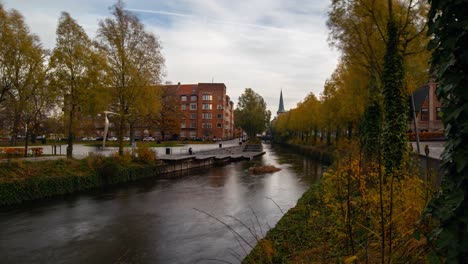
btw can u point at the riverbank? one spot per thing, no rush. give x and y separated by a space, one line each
338 219
322 153
22 181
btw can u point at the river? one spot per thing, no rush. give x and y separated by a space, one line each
160 220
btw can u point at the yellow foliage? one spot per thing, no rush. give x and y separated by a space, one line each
145 154
351 194
349 260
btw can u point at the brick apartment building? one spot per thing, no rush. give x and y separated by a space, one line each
429 116
207 111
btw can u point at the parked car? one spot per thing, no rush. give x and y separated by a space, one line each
148 139
112 139
126 139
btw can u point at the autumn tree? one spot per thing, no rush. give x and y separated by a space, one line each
447 26
359 30
76 74
135 64
167 120
21 72
251 113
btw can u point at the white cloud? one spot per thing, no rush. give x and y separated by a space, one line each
266 45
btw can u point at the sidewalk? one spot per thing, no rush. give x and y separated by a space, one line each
435 148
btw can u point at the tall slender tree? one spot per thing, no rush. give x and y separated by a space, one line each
135 64
395 98
76 73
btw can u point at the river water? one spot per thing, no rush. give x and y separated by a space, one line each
160 220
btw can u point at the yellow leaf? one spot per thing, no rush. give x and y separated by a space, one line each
350 259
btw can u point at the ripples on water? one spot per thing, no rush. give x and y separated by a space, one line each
154 221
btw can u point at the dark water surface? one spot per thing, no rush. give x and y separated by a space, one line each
155 221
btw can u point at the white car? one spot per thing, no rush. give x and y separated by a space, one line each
112 139
126 139
148 139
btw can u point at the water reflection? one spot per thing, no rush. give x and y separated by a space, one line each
154 221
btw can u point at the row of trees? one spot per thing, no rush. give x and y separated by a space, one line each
354 94
118 71
385 56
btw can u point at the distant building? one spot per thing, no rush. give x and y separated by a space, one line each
204 111
208 112
281 105
428 109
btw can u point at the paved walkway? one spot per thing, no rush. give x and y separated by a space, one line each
232 152
80 151
435 148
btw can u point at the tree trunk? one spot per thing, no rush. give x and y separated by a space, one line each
70 132
121 133
26 144
337 134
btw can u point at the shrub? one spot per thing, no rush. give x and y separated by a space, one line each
94 160
126 158
145 155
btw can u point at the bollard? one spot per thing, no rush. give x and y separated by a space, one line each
220 145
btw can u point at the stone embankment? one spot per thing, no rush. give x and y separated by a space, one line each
178 162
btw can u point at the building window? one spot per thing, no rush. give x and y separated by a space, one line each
193 125
206 106
206 116
220 107
182 134
183 107
182 125
193 106
207 97
193 134
183 98
206 125
193 116
193 98
220 98
219 125
424 114
439 113
220 116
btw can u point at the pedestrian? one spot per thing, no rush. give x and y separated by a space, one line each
190 151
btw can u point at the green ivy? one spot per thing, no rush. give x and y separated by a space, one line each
371 126
395 103
448 26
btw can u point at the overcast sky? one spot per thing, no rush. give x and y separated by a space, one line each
266 45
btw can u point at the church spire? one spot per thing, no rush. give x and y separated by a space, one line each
281 104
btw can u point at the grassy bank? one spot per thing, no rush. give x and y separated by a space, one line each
23 181
339 219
